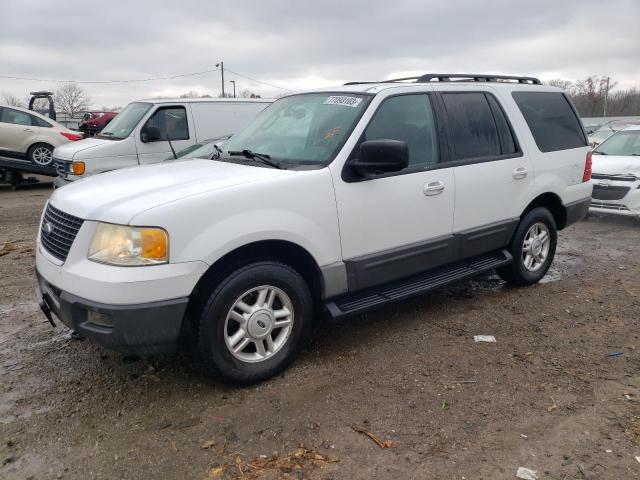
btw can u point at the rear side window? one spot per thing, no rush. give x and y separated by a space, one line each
472 128
551 119
38 122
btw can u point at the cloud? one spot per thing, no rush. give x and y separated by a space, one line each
310 44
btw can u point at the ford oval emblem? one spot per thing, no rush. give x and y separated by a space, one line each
47 228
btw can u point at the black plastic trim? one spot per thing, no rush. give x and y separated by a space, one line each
396 291
146 328
577 210
382 267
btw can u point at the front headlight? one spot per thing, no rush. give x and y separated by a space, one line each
129 246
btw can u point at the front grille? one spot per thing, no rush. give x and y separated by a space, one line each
621 178
63 167
609 206
58 231
609 192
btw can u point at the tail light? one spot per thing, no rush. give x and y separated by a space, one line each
72 136
587 168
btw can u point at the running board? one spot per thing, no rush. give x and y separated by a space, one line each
402 289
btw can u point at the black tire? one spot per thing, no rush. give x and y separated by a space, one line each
35 149
217 360
516 273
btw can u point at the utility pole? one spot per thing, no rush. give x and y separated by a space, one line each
606 98
221 65
234 88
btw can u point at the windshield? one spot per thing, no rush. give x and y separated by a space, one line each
622 143
199 150
602 134
123 124
301 129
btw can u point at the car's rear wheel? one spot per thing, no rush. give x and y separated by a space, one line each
533 247
254 323
40 154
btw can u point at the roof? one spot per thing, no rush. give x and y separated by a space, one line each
630 127
207 100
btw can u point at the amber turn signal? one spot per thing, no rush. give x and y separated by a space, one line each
77 168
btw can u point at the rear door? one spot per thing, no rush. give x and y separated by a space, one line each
17 131
493 176
171 121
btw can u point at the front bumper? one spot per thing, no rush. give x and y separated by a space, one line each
628 205
141 329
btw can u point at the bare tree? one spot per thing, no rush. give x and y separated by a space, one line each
71 99
11 100
246 93
565 85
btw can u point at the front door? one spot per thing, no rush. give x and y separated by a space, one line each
397 224
17 131
167 121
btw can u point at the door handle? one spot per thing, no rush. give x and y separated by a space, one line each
28 130
433 188
520 173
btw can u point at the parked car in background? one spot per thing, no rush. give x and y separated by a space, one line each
600 135
337 200
207 149
94 122
140 133
25 134
616 174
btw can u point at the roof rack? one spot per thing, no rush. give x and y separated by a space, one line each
458 77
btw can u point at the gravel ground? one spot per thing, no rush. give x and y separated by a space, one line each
548 395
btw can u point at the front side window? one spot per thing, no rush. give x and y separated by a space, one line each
171 123
15 117
303 129
472 128
551 119
408 118
124 123
622 143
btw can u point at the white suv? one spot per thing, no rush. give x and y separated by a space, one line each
345 199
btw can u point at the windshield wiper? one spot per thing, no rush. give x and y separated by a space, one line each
264 158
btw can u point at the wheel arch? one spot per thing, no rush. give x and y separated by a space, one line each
551 202
282 251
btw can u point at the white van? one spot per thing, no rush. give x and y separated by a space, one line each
139 134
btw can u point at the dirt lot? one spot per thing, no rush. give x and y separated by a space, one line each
559 392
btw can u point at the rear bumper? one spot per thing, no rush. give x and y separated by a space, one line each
141 329
576 211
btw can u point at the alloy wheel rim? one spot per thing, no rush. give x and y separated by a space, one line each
535 247
258 324
42 156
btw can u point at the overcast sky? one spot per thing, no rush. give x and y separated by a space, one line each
302 44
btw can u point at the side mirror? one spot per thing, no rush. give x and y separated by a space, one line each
381 156
150 134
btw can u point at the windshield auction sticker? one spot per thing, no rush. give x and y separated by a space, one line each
344 101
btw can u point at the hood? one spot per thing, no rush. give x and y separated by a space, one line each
118 196
613 164
94 148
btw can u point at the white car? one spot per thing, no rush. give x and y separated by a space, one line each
28 135
616 174
340 199
148 131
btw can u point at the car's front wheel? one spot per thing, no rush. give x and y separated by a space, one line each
40 154
254 323
533 247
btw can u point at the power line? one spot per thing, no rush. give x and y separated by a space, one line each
139 80
170 77
258 81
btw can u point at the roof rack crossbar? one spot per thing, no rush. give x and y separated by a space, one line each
458 77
